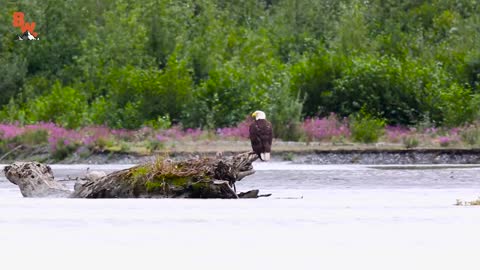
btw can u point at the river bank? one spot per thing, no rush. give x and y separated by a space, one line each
295 152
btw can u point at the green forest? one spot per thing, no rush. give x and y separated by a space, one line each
209 63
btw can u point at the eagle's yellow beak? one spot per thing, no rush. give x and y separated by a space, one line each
254 114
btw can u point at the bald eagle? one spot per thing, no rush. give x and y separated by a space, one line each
261 135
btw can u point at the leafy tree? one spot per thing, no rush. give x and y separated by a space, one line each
63 105
209 63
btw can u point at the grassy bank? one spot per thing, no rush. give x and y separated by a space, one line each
55 143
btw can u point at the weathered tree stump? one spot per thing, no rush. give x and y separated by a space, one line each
164 178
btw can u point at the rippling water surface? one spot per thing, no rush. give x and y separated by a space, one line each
319 217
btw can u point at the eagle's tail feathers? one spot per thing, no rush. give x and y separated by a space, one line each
265 156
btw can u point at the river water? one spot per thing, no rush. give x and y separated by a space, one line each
318 217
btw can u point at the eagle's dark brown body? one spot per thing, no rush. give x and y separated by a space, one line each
261 135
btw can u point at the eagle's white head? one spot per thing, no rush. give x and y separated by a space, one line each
259 115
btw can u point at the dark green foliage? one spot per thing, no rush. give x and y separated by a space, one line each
134 96
210 63
12 75
313 78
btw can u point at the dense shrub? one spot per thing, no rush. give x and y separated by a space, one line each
313 78
366 128
63 105
285 111
402 92
454 98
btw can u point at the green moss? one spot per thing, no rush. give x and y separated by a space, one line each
140 172
136 176
177 180
172 179
167 183
153 186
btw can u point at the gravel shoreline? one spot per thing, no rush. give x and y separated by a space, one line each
315 155
369 156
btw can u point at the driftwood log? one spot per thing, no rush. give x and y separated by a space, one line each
164 178
35 180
